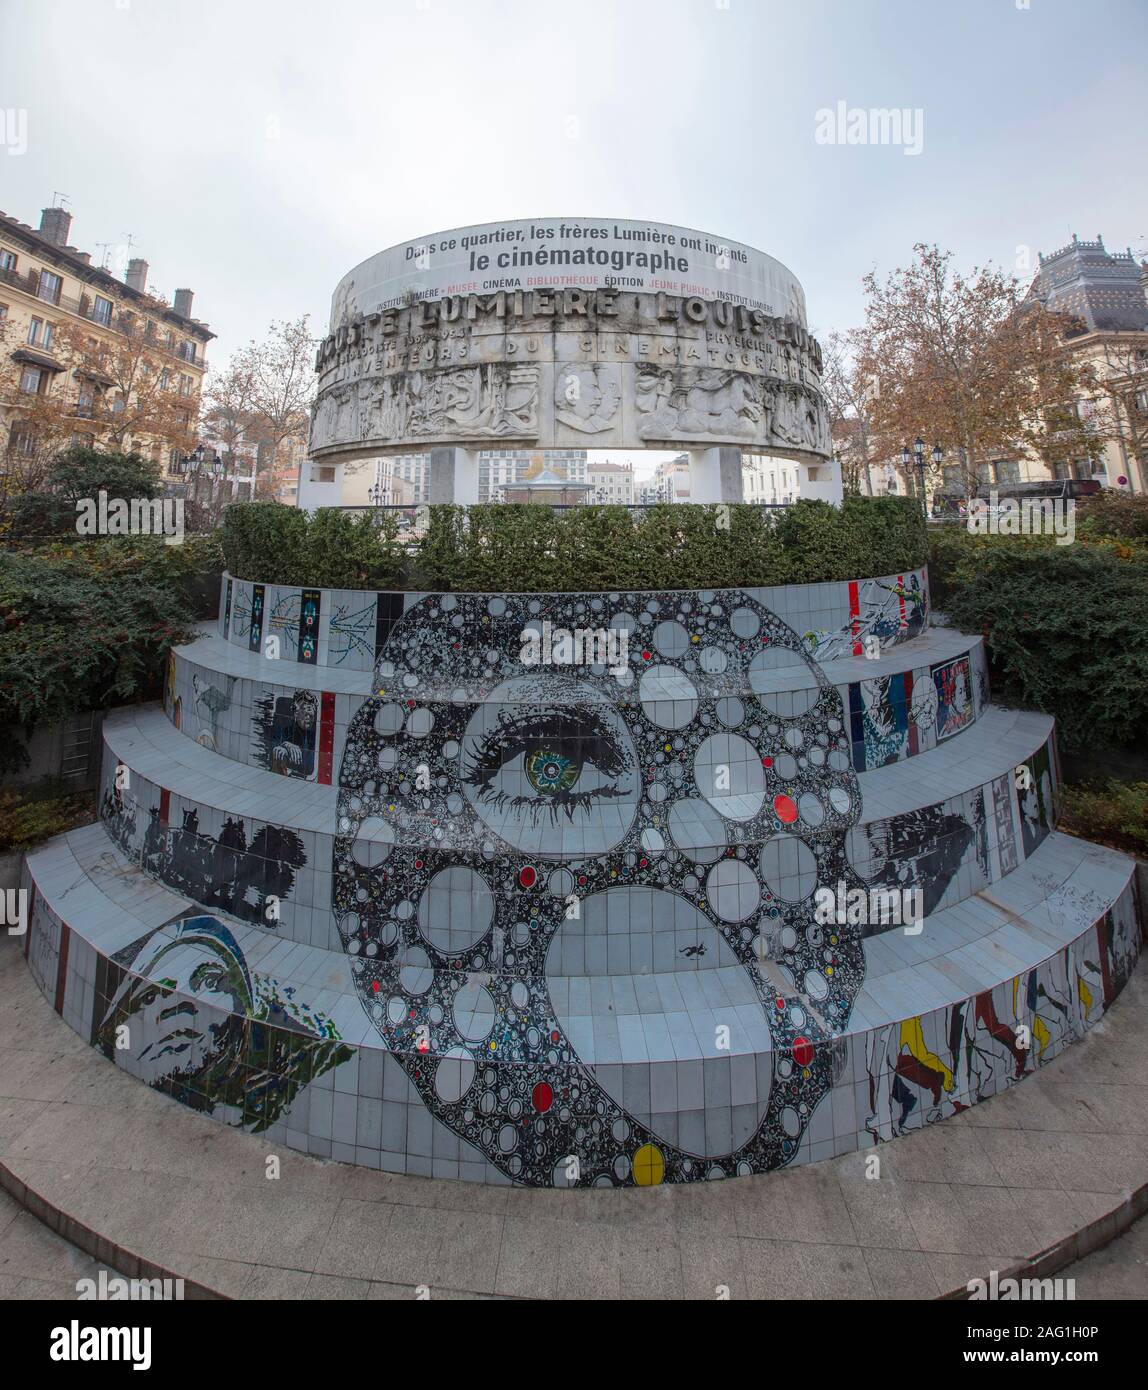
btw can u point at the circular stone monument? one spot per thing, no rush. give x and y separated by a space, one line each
572 333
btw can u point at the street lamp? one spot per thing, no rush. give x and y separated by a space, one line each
919 464
917 459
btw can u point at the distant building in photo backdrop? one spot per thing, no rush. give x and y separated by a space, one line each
1107 293
406 476
79 347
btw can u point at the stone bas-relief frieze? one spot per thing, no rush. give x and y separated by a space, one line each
557 367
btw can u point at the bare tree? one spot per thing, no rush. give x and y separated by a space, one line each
282 376
964 361
847 395
1122 412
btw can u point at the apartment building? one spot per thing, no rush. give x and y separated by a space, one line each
611 482
85 356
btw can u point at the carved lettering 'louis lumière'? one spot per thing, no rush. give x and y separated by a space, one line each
569 367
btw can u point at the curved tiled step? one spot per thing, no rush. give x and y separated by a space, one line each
958 805
292 719
687 1051
347 628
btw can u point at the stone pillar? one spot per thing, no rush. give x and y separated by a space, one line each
453 476
715 474
820 481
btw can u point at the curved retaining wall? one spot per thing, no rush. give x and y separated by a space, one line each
553 920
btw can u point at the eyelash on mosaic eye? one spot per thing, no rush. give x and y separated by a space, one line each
581 735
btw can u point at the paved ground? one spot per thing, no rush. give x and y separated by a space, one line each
1120 1270
981 1191
34 1262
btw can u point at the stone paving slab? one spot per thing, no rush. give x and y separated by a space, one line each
149 1186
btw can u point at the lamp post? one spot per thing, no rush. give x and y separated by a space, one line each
917 459
191 465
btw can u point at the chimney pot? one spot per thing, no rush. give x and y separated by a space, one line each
136 278
182 305
55 225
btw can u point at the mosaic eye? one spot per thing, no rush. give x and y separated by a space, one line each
551 772
532 763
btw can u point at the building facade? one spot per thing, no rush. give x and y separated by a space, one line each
769 480
611 483
1105 292
86 357
408 476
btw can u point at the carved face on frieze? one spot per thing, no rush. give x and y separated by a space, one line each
558 815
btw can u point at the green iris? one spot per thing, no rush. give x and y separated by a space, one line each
549 772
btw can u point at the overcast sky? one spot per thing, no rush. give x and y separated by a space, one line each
256 151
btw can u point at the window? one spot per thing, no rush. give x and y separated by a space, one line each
185 385
102 310
1008 471
50 286
7 260
3 312
186 351
33 381
1141 396
35 327
985 473
164 379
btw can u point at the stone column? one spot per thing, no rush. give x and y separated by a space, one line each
715 474
453 476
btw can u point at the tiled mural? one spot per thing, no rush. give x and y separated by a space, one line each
524 888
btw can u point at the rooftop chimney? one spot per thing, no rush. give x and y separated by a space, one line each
182 305
56 224
136 278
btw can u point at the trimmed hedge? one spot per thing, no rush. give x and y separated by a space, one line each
532 549
1064 627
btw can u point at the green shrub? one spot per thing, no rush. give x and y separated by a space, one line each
1113 515
533 549
88 624
26 824
1114 811
77 472
345 552
1063 625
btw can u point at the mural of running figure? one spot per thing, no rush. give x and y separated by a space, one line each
506 830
